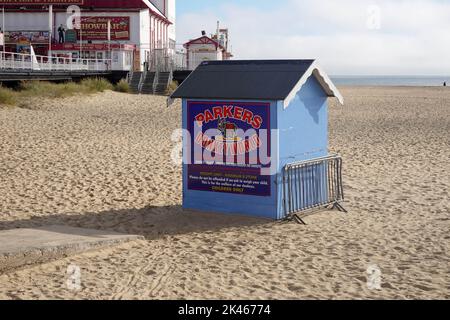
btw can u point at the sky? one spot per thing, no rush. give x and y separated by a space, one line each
347 37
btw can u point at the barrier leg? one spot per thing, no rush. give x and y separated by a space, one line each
295 217
339 207
299 220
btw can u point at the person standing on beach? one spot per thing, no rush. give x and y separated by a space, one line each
445 84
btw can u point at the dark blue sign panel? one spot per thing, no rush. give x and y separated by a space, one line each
229 147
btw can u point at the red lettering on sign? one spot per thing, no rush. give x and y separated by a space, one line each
238 113
218 113
227 112
230 112
200 118
247 117
208 116
257 122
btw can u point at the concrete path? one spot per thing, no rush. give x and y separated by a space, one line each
24 247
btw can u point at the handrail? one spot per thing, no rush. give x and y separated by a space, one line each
142 80
21 61
311 161
155 81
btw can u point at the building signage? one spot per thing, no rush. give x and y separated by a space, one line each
41 2
71 36
96 28
26 37
23 48
237 137
92 47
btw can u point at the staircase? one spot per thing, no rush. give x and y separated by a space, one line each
135 82
162 83
153 83
148 83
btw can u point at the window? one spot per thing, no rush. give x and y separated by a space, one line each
172 44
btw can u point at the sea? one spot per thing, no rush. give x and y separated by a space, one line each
428 81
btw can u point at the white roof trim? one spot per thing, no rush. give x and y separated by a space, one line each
323 80
154 8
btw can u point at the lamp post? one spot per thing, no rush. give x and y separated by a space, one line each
109 43
3 30
81 36
50 27
81 40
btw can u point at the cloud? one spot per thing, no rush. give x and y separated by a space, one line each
413 36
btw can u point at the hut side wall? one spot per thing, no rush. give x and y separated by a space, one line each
303 125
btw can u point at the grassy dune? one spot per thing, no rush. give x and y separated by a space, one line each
37 89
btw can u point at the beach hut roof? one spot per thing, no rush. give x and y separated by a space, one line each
254 79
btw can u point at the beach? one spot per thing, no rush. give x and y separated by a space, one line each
104 162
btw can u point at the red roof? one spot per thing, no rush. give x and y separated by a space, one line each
121 4
203 40
107 4
97 5
128 4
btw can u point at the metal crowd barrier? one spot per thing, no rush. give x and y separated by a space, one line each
311 185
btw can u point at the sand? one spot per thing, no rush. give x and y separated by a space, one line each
104 162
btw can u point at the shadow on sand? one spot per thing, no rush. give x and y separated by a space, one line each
150 222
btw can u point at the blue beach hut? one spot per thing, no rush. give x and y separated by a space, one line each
255 138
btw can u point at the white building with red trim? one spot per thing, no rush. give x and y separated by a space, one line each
138 29
204 49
